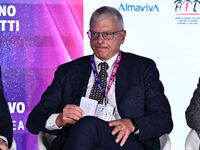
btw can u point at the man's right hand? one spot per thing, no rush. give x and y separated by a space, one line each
70 114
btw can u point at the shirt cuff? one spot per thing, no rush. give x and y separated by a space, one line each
136 130
51 122
4 138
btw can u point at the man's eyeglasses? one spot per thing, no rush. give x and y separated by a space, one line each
92 35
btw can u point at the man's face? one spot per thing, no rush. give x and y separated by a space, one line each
105 49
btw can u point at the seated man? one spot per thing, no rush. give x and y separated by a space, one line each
125 82
193 111
6 126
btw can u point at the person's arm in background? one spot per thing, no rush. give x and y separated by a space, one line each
6 126
193 111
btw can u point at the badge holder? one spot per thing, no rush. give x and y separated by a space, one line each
104 111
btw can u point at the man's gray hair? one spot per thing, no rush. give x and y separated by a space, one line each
103 12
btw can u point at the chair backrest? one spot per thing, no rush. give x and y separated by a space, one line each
192 141
45 141
165 143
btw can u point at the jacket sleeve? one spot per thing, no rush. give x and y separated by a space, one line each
156 120
193 111
6 126
49 104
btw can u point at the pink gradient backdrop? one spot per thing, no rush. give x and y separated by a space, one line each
60 29
51 33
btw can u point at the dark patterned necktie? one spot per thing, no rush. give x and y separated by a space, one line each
95 93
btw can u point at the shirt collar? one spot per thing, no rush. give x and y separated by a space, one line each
110 62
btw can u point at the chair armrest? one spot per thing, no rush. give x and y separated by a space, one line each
165 143
45 140
14 145
192 141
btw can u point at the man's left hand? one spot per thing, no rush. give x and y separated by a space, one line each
123 127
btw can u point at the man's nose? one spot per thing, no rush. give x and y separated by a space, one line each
100 38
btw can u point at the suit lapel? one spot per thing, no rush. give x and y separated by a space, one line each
121 78
85 75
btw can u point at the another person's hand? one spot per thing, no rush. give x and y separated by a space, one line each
3 145
70 114
123 127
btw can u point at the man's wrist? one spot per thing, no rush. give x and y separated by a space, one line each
53 122
59 121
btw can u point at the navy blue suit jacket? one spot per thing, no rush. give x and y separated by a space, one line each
139 96
6 126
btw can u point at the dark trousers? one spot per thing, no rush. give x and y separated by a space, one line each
91 133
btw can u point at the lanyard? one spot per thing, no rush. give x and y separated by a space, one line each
112 77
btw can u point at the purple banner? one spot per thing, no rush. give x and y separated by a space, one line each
35 37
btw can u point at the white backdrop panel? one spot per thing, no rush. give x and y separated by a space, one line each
174 47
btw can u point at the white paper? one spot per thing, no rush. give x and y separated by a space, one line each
92 108
88 106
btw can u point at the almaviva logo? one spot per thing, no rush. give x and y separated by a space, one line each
138 8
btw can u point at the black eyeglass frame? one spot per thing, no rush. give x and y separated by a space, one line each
104 34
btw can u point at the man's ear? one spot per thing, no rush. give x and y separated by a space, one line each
123 36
